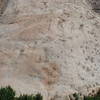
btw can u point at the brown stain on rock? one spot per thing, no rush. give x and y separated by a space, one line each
52 73
32 63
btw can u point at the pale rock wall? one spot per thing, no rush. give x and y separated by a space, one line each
50 46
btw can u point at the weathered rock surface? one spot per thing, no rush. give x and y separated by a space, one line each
49 46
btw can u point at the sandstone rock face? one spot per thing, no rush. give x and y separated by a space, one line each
49 46
3 5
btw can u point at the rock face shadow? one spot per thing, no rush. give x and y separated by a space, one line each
95 5
3 5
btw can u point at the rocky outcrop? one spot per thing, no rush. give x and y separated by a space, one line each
50 47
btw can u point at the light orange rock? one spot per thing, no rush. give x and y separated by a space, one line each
49 46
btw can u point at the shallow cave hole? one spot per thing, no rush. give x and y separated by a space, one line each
95 5
3 5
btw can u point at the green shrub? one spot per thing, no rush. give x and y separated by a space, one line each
38 97
97 98
30 97
76 96
92 98
88 98
25 97
7 93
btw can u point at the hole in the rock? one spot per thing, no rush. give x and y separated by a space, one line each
95 5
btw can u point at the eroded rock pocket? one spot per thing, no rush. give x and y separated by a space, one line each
3 5
95 5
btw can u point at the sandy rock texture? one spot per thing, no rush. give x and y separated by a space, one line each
50 46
